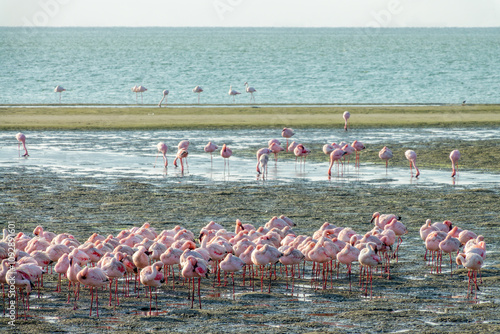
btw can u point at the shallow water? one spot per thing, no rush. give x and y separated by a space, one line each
132 154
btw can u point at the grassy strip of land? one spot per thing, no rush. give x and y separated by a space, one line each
134 118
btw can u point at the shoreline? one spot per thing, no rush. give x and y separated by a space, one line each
88 117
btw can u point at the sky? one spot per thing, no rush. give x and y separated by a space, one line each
250 13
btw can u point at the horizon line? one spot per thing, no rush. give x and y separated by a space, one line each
257 27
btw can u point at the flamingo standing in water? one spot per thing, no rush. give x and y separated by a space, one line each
473 262
139 89
250 90
198 90
182 154
302 152
162 148
346 116
276 148
335 155
368 258
231 264
226 153
412 158
454 157
195 268
210 148
261 152
165 93
21 138
183 145
151 276
263 161
358 147
385 154
59 90
95 278
287 133
233 92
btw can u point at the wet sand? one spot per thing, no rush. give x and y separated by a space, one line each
413 300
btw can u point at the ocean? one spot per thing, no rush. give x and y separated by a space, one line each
284 65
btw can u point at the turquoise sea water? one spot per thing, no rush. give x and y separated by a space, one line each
285 65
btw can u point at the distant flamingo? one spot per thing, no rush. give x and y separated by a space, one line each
259 153
210 148
233 92
346 116
198 90
385 154
336 155
454 157
139 89
412 158
226 153
287 133
369 259
165 93
162 148
95 278
151 276
59 90
358 147
250 90
21 138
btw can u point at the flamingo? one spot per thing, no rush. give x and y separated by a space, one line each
95 278
263 160
231 264
336 155
183 145
450 245
412 158
21 138
358 147
210 148
276 148
151 276
302 152
346 116
198 90
114 269
181 154
287 133
162 148
473 262
21 280
165 93
61 267
250 90
261 152
369 259
348 149
385 154
59 90
347 256
263 255
233 92
139 89
195 268
454 157
226 153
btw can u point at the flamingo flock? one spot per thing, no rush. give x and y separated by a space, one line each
468 248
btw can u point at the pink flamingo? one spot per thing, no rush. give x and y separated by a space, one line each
195 268
336 155
276 148
450 245
59 90
348 149
432 244
95 278
287 133
162 148
259 153
198 90
412 158
347 256
233 92
385 154
291 257
61 267
425 230
264 255
346 116
231 264
226 153
263 160
473 263
369 259
114 269
302 152
181 154
210 148
21 138
72 272
454 157
165 93
151 276
358 147
250 90
139 89
22 280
